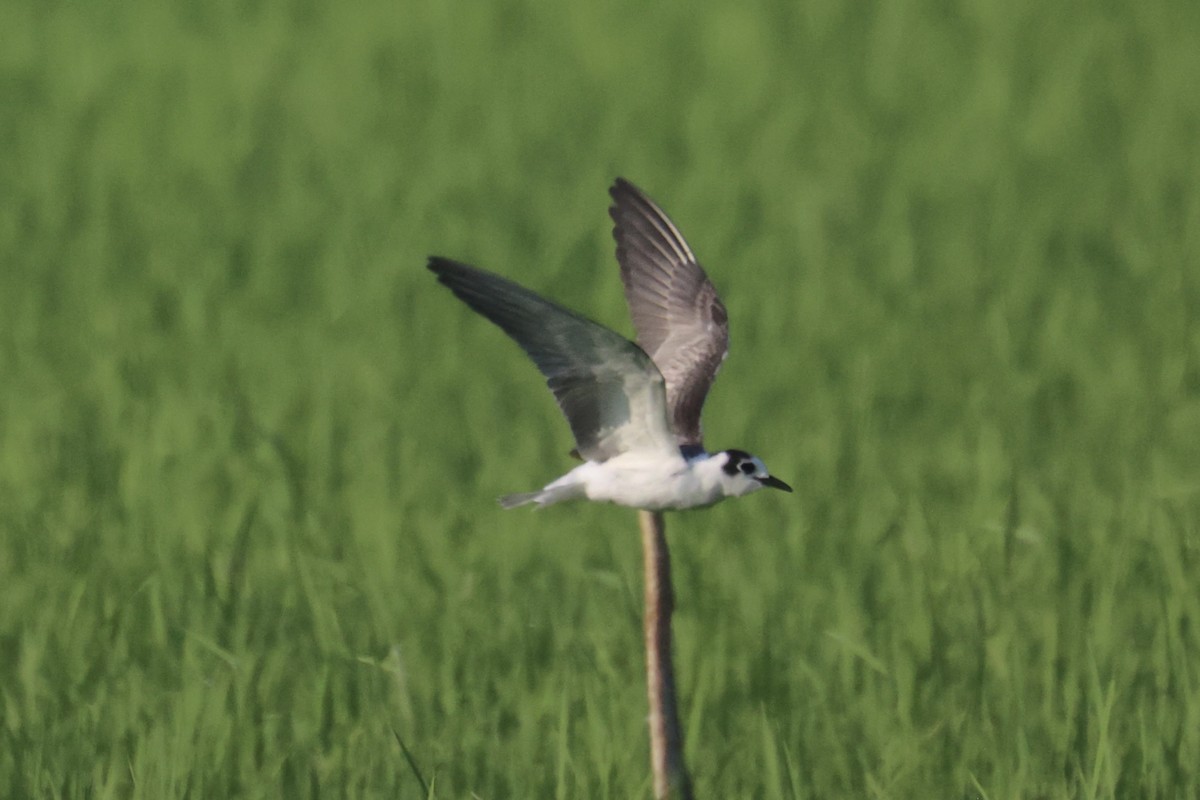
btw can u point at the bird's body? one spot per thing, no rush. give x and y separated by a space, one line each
642 480
634 409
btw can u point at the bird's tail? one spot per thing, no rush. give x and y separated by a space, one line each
544 497
514 500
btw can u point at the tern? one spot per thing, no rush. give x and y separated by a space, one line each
634 409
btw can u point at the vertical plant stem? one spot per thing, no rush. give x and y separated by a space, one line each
666 739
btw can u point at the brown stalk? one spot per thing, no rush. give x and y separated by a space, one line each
666 739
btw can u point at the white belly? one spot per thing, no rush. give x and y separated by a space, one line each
653 483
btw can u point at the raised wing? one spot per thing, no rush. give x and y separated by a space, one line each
609 390
678 317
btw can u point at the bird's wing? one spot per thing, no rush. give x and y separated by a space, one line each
607 387
678 317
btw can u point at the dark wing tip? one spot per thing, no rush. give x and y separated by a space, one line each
440 265
623 193
621 186
458 276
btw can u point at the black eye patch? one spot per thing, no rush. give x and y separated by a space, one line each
737 460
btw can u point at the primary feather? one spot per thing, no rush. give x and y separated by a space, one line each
680 321
609 390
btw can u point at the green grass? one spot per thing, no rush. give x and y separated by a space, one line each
249 449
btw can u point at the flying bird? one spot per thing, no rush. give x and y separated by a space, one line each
634 409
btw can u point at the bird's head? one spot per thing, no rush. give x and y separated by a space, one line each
742 473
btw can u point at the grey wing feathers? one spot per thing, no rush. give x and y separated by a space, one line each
609 389
679 319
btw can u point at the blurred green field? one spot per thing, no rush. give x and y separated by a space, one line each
249 449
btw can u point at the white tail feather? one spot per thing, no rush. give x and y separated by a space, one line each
550 495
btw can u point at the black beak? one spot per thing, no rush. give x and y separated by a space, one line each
774 483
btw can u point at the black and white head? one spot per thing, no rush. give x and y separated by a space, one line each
742 473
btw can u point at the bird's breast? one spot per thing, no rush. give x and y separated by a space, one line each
657 484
